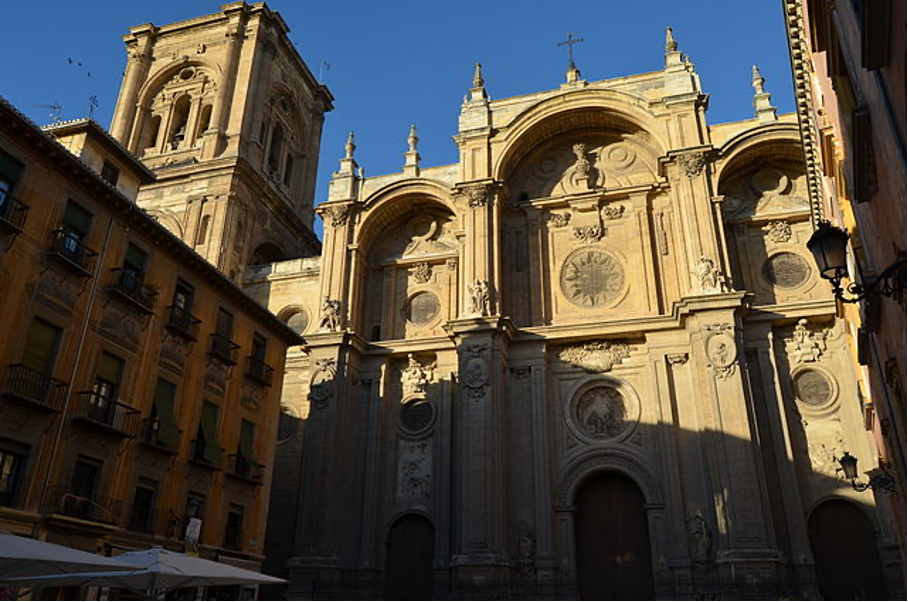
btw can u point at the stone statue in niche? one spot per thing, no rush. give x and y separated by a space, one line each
710 277
699 538
480 301
415 377
527 549
580 174
330 316
806 345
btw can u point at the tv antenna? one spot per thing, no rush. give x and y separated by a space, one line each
321 71
93 104
55 109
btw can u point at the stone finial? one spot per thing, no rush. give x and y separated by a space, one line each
670 44
411 157
763 109
350 146
478 82
573 73
478 91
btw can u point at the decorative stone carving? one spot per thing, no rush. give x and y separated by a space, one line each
600 413
122 325
699 538
824 454
805 345
591 278
414 472
330 317
421 272
526 549
521 372
692 163
339 215
476 371
558 220
676 359
661 234
786 270
422 308
778 231
721 350
595 356
322 384
480 300
813 388
216 375
612 212
415 377
253 393
476 196
451 264
580 173
587 235
173 351
710 277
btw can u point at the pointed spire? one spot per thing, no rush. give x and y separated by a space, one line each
343 185
478 82
411 157
478 91
670 44
350 146
764 112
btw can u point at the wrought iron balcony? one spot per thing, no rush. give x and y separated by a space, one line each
97 410
24 384
12 213
243 467
257 369
130 286
223 348
182 322
66 246
70 502
149 436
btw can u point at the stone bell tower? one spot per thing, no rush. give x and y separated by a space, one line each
226 113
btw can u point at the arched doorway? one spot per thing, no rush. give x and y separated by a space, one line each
408 568
612 540
844 549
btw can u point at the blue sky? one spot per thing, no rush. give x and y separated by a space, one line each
397 63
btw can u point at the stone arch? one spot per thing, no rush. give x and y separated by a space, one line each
156 81
168 220
576 111
267 252
775 134
290 314
614 459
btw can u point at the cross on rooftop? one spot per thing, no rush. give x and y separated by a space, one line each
571 40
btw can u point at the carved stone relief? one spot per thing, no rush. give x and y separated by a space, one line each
526 549
476 371
421 272
806 345
612 212
253 393
414 472
587 235
710 278
338 215
692 163
595 356
786 270
173 351
699 538
767 190
558 220
480 299
416 377
217 373
321 387
813 387
778 231
591 278
600 413
721 350
330 318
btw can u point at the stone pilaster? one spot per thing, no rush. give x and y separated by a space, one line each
480 259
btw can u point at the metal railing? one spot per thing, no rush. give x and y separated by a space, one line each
12 212
242 466
66 245
70 502
21 382
149 435
131 286
198 454
223 348
183 322
257 369
92 408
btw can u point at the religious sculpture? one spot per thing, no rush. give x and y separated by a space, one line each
480 301
416 376
580 172
808 346
330 318
711 278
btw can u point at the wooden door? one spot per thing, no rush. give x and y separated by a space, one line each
844 548
612 540
408 567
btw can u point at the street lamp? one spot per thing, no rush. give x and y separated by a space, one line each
828 247
879 479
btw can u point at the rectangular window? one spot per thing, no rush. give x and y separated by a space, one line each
10 172
224 325
876 26
108 372
41 345
86 477
247 440
183 296
288 170
233 530
162 425
207 447
12 468
135 262
259 348
142 517
110 173
76 221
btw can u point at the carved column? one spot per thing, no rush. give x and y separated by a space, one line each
479 202
220 112
125 125
338 219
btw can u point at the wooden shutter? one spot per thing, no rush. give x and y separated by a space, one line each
41 346
247 440
135 259
110 368
10 169
212 451
164 396
77 219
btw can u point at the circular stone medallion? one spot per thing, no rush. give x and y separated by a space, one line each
600 413
786 270
422 308
416 415
591 278
812 387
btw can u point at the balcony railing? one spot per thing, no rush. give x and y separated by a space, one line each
131 287
67 246
223 348
25 384
182 322
12 212
245 468
97 410
258 370
96 508
149 436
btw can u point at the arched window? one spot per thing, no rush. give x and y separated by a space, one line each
277 147
202 234
178 125
152 129
204 119
288 170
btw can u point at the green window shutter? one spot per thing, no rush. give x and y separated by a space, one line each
164 396
77 219
210 430
10 170
110 368
135 259
41 346
247 440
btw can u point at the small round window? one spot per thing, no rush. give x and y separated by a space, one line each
812 387
786 270
298 322
416 415
422 308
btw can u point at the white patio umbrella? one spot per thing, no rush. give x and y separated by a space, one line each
24 557
157 569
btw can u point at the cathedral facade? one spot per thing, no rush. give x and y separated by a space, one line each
591 358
